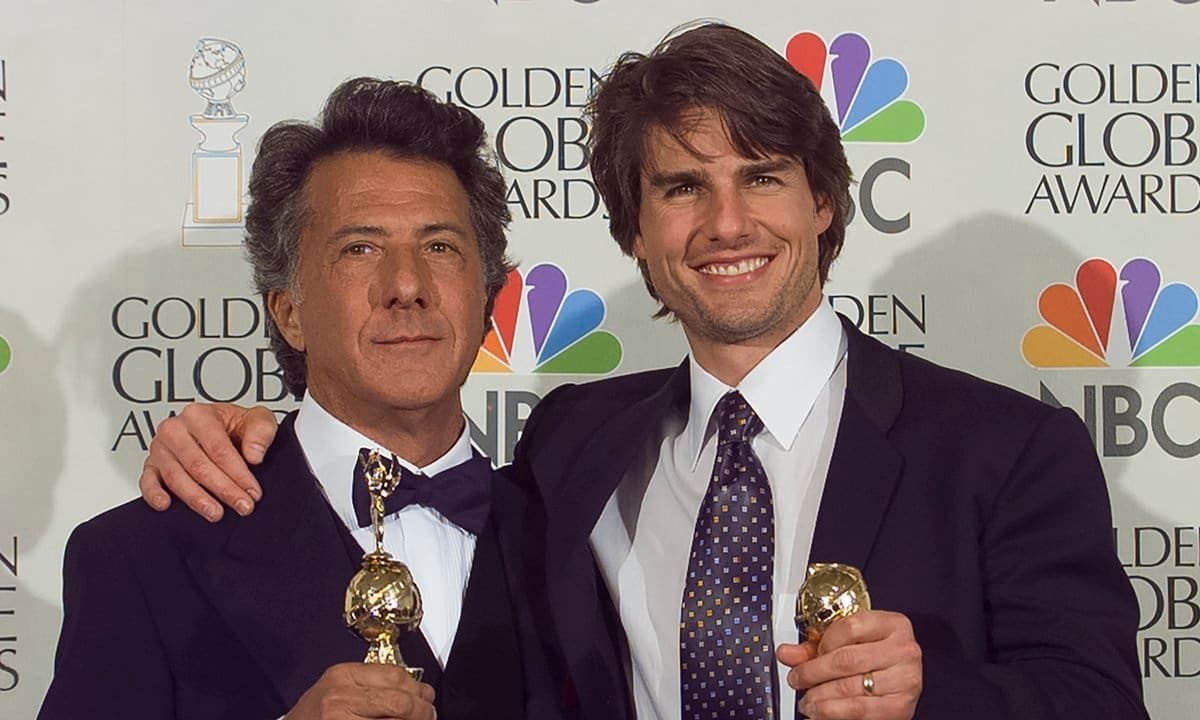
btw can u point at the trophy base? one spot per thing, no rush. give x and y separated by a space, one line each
385 652
197 234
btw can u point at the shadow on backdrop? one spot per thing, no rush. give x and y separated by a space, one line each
983 277
33 449
162 328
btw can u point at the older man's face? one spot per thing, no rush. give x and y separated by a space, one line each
391 297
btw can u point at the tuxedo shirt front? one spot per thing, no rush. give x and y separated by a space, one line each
438 552
643 538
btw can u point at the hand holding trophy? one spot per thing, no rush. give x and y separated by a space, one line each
851 661
382 598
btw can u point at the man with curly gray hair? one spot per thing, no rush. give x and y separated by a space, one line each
377 239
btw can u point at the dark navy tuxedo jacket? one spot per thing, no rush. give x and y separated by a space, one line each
168 616
976 511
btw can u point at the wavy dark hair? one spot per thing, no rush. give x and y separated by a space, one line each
767 107
366 114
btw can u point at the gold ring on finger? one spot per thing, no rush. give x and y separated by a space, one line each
868 683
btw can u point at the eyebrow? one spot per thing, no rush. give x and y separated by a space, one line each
696 177
677 177
352 230
377 231
769 167
440 227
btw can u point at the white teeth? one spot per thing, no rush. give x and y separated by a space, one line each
738 268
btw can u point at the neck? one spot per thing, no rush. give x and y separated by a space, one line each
730 362
419 435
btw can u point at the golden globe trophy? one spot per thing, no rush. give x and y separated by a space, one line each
830 591
382 598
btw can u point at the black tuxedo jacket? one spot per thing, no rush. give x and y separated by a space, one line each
167 616
978 512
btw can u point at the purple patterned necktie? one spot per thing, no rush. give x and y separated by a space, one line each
726 649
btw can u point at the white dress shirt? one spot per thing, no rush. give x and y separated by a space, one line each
438 552
797 390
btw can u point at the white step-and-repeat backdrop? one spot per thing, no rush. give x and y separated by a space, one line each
1027 208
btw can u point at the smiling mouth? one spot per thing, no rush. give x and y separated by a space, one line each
731 269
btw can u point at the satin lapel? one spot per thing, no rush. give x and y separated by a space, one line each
865 466
523 570
483 676
602 464
281 582
588 640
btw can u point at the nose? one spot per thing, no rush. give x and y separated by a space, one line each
728 215
404 281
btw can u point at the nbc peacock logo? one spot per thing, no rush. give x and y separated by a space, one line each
868 93
1115 319
539 327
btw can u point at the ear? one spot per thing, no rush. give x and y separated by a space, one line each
639 247
286 313
823 217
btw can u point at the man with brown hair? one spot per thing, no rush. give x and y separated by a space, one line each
672 511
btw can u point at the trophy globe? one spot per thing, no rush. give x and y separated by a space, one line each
217 73
830 591
381 601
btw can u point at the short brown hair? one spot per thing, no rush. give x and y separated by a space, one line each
767 107
367 114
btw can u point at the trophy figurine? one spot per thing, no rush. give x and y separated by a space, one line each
382 598
830 591
214 213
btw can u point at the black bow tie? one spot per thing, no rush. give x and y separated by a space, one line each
462 493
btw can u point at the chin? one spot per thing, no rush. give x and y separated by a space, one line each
408 391
736 327
422 395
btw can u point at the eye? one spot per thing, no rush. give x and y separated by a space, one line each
358 249
441 246
682 190
764 181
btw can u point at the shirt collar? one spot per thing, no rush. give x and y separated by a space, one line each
331 448
782 388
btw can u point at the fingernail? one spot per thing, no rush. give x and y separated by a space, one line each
255 493
257 451
212 513
243 507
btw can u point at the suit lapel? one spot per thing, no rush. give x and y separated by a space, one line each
483 677
281 582
523 566
602 464
582 612
865 465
